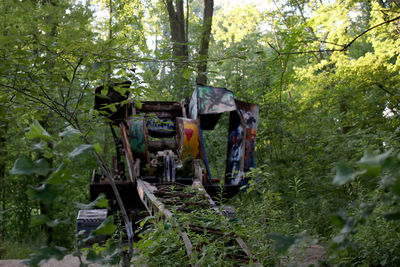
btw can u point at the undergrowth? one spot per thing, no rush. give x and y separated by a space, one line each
21 250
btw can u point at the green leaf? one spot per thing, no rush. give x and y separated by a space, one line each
186 73
138 104
93 257
25 166
37 131
106 228
39 146
97 148
45 193
82 149
100 202
60 176
69 131
338 221
371 159
344 174
45 253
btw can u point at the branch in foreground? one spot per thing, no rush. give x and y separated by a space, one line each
344 47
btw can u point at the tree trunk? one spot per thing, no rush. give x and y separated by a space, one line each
3 154
179 40
205 41
3 144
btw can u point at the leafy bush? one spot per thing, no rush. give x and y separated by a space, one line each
369 230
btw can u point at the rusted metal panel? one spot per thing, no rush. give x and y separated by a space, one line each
249 113
163 114
137 135
236 147
162 145
152 106
188 138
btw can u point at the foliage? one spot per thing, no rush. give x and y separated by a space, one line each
324 73
368 230
160 244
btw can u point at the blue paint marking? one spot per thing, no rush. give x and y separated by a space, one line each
205 154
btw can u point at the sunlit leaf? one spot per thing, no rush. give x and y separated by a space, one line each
106 228
82 149
69 131
186 73
100 202
97 148
37 131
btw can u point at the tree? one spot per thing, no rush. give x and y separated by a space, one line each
205 40
179 41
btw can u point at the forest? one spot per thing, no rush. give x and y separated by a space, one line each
324 74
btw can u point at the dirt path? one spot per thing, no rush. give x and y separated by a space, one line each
311 255
302 258
68 261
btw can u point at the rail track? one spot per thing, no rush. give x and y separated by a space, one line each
198 218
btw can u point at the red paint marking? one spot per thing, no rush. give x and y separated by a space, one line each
189 134
235 139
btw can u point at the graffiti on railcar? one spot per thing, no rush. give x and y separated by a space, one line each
137 137
234 164
250 117
214 100
191 140
160 127
193 105
189 145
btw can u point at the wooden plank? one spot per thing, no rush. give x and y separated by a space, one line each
128 153
146 190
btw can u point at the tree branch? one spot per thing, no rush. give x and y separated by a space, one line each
344 47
